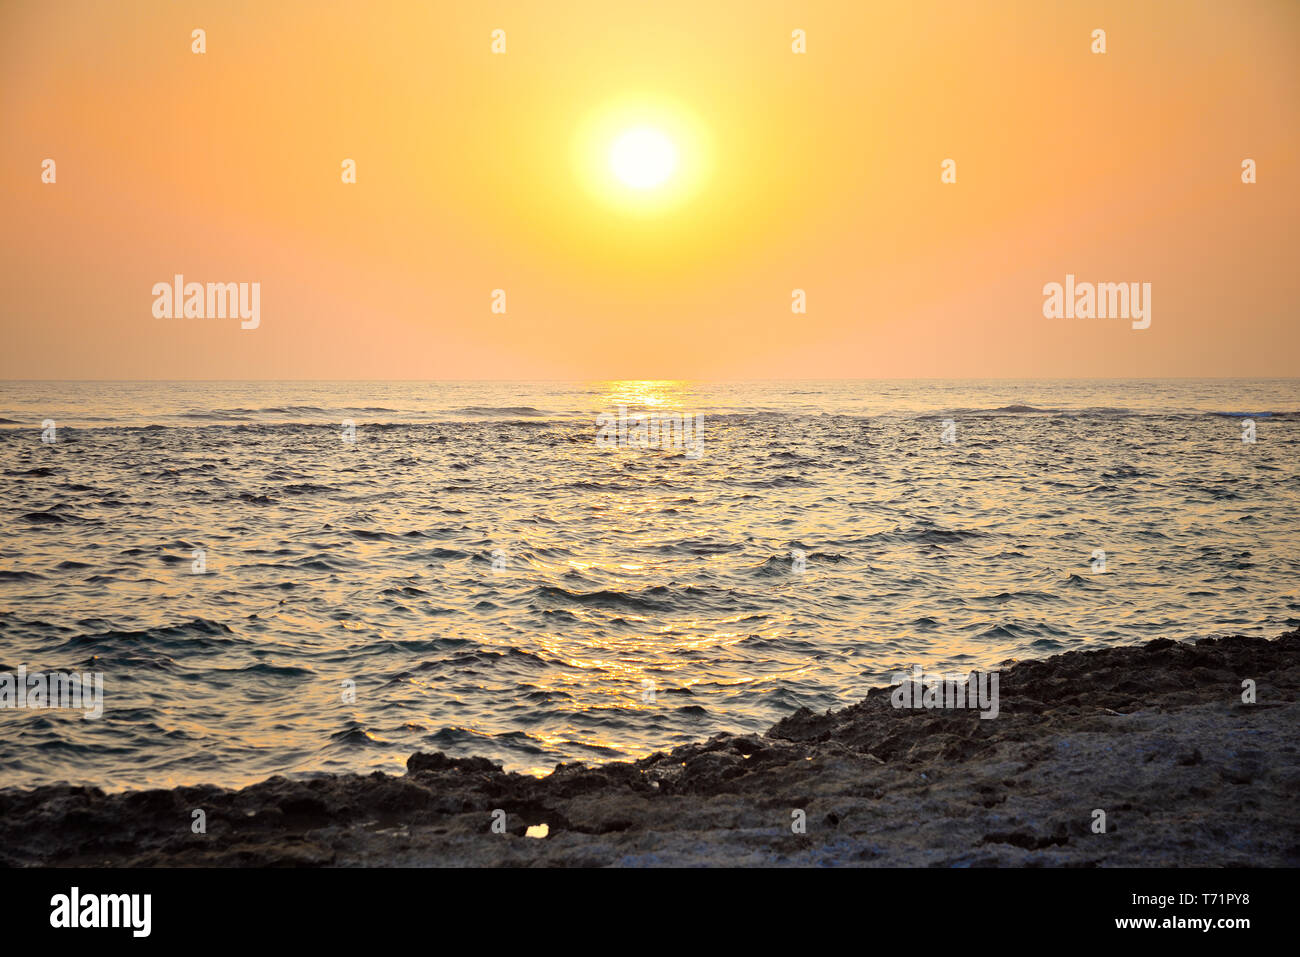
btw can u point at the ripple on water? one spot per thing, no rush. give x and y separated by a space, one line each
473 564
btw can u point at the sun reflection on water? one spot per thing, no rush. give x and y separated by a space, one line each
646 393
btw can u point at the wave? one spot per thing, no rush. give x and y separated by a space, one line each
195 633
8 576
1288 416
654 598
313 419
55 515
286 410
495 410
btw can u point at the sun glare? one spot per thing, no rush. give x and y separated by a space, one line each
643 158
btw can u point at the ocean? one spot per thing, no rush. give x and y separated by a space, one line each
287 578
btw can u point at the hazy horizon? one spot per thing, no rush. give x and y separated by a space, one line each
1192 378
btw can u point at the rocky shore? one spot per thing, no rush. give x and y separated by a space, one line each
1155 737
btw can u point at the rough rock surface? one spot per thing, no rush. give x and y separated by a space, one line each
1156 736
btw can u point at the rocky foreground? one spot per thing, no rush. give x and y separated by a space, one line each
1157 737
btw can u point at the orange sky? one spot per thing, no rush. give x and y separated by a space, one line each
479 171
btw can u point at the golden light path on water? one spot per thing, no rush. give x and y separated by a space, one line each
615 679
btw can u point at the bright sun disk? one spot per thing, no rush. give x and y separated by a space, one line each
643 158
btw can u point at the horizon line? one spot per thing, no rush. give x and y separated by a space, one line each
1153 378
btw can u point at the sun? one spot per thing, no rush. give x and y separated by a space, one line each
643 158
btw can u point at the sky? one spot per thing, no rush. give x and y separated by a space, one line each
818 171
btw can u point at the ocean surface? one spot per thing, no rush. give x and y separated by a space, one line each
493 582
